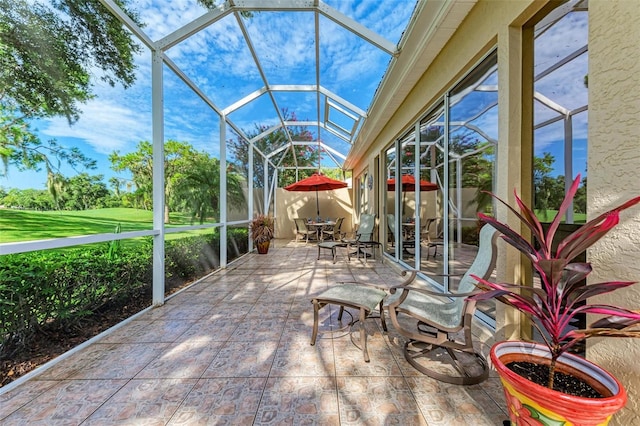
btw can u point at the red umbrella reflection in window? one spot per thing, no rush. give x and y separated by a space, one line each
409 185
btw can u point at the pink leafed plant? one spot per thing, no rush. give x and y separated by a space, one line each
561 296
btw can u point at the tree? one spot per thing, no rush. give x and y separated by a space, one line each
33 199
139 163
476 161
542 181
199 188
116 184
84 192
184 167
549 191
296 155
48 54
21 148
580 199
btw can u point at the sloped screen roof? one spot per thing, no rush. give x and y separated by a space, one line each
311 64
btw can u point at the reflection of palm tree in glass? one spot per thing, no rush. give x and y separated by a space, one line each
476 160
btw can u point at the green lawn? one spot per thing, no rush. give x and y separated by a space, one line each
550 214
23 225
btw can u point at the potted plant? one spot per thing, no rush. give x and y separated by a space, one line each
541 380
262 231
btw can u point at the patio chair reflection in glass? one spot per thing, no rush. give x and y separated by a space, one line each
431 235
302 230
391 227
438 325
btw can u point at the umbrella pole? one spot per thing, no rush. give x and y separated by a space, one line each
317 203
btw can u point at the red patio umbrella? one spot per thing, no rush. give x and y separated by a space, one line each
316 182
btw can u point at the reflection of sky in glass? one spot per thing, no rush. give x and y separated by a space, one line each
542 112
564 87
487 123
563 38
478 109
390 157
550 139
475 116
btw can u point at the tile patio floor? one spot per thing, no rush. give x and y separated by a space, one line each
234 349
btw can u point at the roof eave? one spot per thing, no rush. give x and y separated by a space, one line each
431 27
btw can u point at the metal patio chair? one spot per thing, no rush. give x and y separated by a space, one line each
364 237
438 325
333 232
303 230
431 235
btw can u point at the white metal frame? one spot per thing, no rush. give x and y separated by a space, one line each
331 102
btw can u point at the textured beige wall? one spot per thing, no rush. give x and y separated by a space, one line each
290 205
613 164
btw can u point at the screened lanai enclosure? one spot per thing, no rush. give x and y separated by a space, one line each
263 94
259 94
154 305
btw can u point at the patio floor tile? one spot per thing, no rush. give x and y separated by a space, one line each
234 348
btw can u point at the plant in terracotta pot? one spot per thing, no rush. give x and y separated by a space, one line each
262 232
544 383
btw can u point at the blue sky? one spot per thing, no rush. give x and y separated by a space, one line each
219 62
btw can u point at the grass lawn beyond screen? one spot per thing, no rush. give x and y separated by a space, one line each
24 225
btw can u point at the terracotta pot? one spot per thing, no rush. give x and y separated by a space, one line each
531 404
263 247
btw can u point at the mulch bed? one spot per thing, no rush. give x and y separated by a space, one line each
53 341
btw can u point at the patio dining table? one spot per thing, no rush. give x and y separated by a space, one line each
408 230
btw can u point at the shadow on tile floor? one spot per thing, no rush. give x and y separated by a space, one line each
235 348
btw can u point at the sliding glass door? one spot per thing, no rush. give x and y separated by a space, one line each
445 166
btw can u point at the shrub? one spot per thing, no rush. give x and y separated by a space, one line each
61 287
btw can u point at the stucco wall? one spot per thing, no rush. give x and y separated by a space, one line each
290 205
614 161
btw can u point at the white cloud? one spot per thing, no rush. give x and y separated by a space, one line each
104 125
162 17
218 60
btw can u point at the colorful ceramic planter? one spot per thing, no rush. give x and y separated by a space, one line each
263 247
531 404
